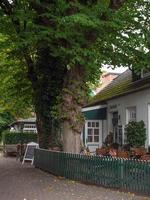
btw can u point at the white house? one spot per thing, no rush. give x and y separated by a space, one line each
125 99
25 125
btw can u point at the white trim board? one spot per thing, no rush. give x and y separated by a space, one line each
93 108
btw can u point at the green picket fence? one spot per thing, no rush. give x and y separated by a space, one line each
124 174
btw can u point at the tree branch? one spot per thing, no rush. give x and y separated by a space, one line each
31 72
38 7
116 4
6 6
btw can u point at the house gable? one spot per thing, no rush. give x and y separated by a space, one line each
121 86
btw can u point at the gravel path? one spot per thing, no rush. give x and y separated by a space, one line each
24 182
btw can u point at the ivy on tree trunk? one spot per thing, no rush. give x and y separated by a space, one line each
47 87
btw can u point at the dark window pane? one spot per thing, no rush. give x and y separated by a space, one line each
89 138
97 124
90 131
96 131
89 124
93 124
96 138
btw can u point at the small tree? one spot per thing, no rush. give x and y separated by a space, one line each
136 133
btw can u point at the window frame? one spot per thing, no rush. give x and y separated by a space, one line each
93 126
130 112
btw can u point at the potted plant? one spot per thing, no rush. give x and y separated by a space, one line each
136 135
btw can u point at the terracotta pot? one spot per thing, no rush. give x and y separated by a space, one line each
139 151
123 154
145 157
102 151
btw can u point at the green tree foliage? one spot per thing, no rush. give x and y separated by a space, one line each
5 119
64 43
136 133
15 88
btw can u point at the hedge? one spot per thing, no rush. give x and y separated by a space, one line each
17 138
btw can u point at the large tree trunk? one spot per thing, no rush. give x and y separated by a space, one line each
46 77
74 97
44 101
71 139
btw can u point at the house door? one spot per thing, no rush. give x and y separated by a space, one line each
93 134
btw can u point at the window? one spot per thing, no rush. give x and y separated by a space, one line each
118 135
115 118
30 128
93 131
131 114
145 73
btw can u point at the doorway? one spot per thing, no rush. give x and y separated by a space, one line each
93 134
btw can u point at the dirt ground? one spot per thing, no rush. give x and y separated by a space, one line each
24 182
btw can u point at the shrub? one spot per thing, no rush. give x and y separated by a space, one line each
5 119
17 138
135 133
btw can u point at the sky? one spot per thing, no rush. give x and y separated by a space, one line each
117 70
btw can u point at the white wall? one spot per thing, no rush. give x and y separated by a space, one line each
104 130
139 99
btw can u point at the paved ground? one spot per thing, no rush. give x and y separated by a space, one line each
19 182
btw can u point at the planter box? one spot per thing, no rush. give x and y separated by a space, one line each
145 157
138 151
102 151
123 154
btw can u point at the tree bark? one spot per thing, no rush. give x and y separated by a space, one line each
71 139
74 97
116 4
